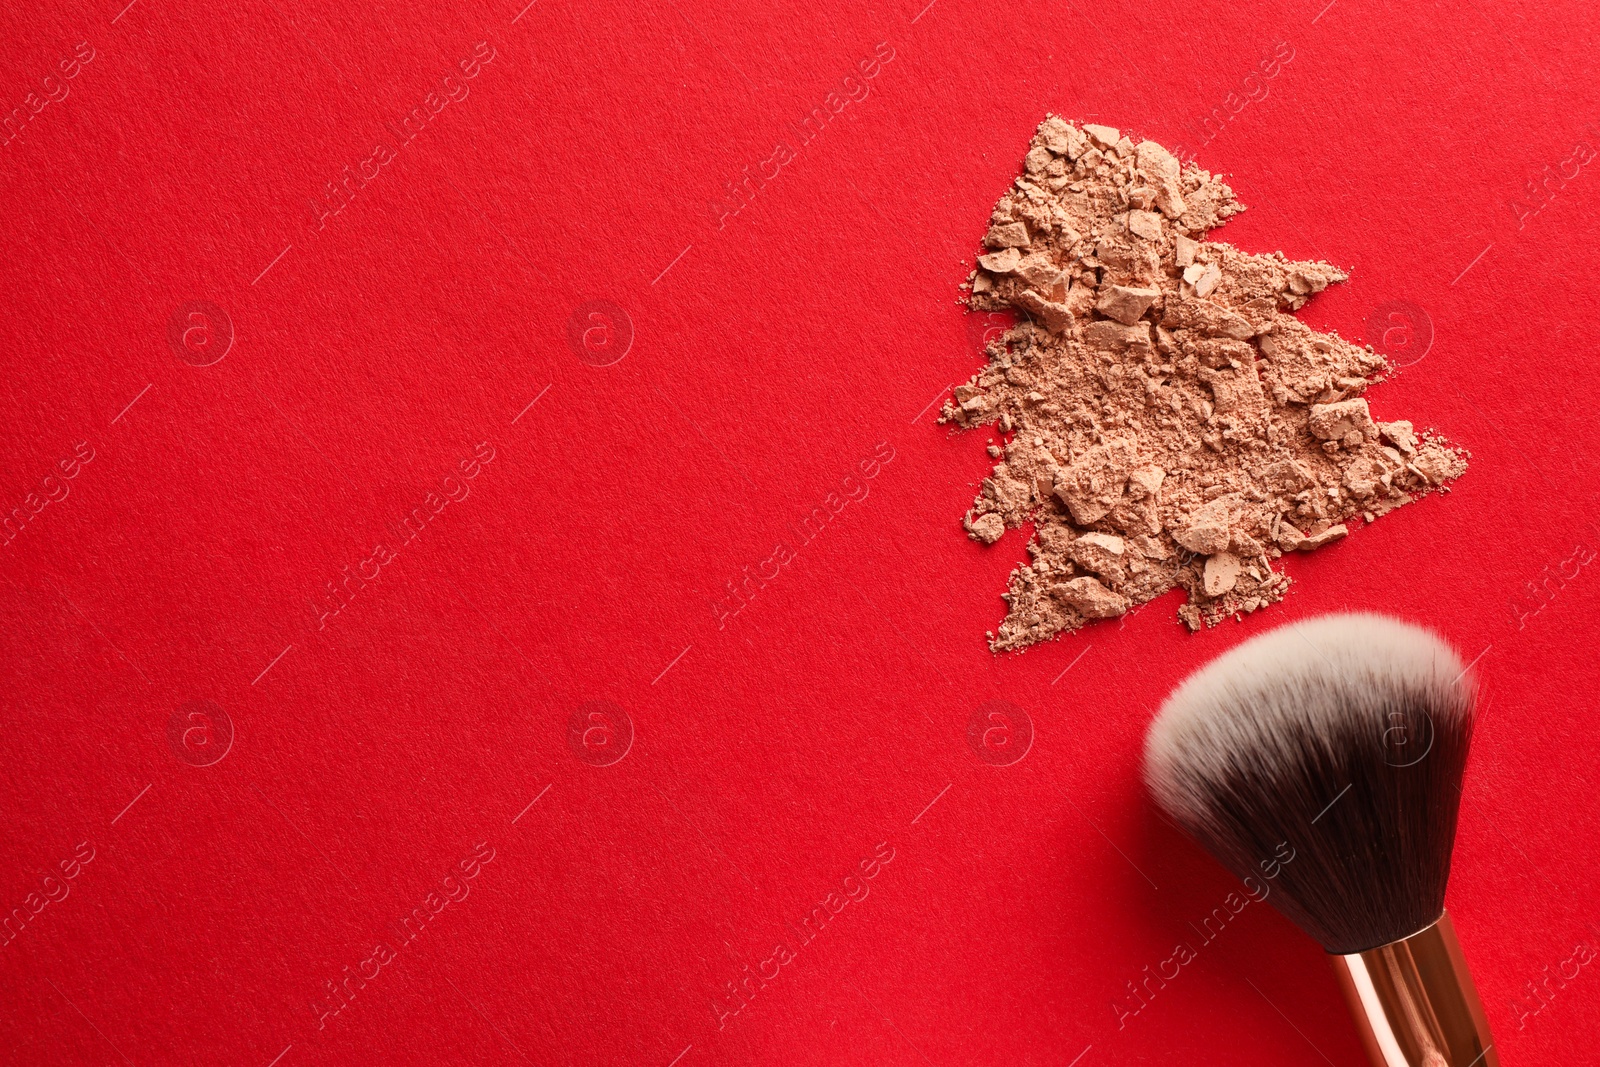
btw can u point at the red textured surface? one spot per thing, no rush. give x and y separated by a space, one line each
773 756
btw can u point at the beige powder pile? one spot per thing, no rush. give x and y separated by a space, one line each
1165 420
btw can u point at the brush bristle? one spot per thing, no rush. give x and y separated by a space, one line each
1342 739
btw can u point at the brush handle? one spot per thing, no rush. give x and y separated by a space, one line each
1415 1004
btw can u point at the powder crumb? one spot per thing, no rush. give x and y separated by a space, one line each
1105 136
987 528
1165 419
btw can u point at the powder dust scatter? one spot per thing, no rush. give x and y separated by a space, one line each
1164 419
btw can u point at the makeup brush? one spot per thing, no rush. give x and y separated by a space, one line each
1340 742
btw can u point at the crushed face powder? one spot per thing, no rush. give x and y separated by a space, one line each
1164 419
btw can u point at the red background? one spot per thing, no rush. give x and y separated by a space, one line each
769 357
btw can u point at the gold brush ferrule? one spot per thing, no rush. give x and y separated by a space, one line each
1415 1003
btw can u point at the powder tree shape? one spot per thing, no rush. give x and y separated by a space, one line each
1164 420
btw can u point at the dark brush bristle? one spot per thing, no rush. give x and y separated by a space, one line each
1344 737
